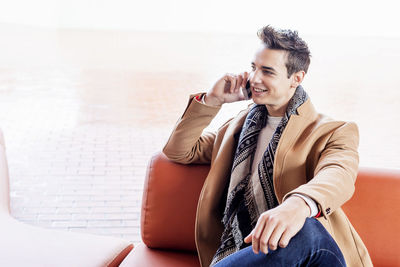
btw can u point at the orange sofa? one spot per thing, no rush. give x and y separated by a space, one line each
169 208
26 245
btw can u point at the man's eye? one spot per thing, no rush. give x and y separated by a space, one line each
253 68
267 72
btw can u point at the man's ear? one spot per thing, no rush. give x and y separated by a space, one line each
297 78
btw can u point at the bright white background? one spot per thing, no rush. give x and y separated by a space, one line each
90 89
362 18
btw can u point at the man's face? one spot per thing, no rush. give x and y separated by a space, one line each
269 83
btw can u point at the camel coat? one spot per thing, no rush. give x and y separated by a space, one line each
316 156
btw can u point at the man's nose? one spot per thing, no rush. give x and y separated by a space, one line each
254 78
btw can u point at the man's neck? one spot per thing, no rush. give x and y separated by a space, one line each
275 111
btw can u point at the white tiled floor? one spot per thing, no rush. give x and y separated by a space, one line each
83 111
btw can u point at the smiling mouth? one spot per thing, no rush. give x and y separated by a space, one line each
258 90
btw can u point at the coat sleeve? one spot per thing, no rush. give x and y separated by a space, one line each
188 143
336 171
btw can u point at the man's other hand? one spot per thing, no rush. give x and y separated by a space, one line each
277 226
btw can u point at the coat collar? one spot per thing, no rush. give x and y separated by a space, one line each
306 111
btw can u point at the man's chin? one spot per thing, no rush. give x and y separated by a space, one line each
258 101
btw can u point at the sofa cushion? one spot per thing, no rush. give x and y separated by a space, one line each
143 256
170 197
26 245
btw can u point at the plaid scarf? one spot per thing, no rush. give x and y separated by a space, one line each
243 206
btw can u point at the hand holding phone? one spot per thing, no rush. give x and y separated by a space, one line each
230 88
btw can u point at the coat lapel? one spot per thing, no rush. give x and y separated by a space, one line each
296 125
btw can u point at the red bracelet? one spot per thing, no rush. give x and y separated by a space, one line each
318 214
198 97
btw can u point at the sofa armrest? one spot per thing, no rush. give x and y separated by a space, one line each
169 204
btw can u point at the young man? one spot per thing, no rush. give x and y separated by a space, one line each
279 170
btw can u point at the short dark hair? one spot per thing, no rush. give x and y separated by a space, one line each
297 50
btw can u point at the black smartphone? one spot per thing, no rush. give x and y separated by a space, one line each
246 91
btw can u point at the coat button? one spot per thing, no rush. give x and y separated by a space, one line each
328 210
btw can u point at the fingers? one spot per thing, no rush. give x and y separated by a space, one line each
269 233
242 80
285 239
258 230
245 78
271 226
230 83
276 227
233 82
275 237
239 81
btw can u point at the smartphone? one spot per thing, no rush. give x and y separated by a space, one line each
246 91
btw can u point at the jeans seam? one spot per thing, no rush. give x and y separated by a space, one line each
322 249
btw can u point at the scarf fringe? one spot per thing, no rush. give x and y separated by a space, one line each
251 204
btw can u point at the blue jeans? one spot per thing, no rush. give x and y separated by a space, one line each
311 246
